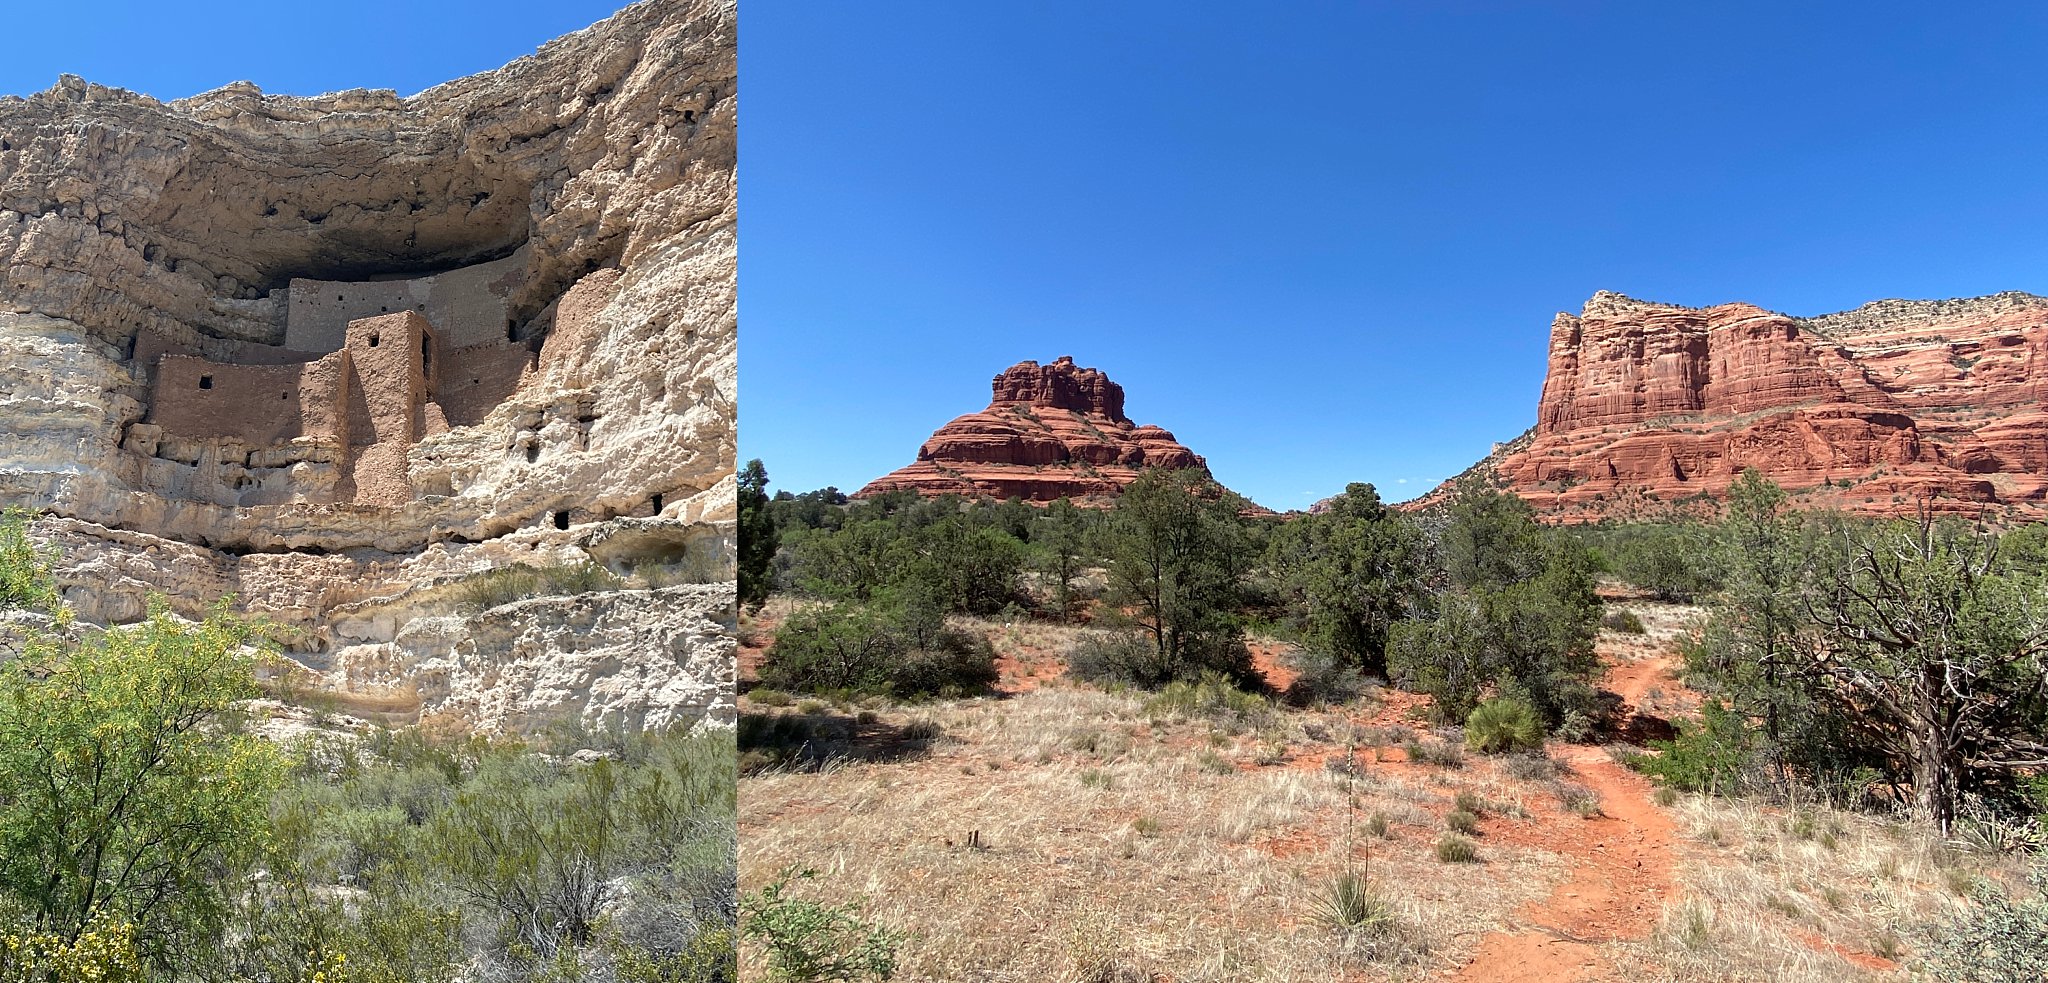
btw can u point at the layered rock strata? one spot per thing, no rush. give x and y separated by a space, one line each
337 355
1877 410
1049 432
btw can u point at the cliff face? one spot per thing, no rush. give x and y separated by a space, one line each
1872 410
207 386
1049 432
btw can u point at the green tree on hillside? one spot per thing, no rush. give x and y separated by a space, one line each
1353 572
1940 657
1062 542
1519 616
1175 551
757 534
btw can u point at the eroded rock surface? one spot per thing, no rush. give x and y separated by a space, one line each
1874 410
335 354
1049 432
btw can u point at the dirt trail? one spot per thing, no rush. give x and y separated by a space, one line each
1621 864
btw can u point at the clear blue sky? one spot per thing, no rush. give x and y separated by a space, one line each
1323 242
173 50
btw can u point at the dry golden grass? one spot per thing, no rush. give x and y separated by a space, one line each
1807 893
1118 844
1113 847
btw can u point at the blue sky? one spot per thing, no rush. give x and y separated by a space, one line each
172 50
1323 242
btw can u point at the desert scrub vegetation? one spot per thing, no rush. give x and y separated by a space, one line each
146 834
519 582
903 649
805 941
1503 724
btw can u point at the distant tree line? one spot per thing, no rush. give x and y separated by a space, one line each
1903 660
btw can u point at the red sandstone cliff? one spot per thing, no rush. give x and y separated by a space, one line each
1870 410
1049 432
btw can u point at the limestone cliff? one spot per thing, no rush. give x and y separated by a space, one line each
1873 410
528 357
1049 432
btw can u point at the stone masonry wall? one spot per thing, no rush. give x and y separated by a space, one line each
255 404
467 306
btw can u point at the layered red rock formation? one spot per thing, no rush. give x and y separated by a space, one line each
1049 432
1871 410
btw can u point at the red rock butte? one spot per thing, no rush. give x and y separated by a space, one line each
1049 432
1872 410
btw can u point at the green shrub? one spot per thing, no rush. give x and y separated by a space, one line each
812 942
25 577
1710 755
1998 937
1460 821
1212 697
126 783
1455 849
904 651
1324 680
1503 724
1112 658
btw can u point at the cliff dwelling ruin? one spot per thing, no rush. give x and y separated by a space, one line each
366 370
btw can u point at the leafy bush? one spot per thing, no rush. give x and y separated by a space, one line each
1677 562
124 784
1455 849
1324 679
1999 937
1460 821
811 942
1710 755
906 651
1503 724
25 578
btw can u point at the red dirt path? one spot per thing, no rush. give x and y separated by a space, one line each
1621 864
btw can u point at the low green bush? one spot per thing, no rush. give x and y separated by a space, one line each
1997 937
902 651
1713 754
1502 725
1455 849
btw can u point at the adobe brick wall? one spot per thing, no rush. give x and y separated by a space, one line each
475 380
385 407
255 404
390 383
467 307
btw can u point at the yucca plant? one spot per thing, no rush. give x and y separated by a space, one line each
1351 906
